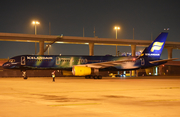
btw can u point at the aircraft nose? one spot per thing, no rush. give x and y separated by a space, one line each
6 65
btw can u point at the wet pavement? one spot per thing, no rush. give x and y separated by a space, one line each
79 97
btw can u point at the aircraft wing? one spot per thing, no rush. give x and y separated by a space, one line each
163 60
106 64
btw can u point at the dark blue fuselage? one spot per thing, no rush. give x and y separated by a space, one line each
26 62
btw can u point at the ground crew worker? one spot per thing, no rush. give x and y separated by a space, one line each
53 76
24 74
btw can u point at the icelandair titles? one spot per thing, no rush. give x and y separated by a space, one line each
151 54
31 57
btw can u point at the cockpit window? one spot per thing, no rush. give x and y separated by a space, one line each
11 60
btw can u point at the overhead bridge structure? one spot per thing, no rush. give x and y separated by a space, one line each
41 39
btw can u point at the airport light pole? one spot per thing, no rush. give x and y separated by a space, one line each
48 48
116 28
35 23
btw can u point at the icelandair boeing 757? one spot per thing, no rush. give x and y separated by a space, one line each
89 66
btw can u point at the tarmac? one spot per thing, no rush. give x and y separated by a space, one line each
147 96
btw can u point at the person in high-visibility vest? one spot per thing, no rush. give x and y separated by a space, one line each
53 76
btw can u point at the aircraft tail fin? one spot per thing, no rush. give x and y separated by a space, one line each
153 52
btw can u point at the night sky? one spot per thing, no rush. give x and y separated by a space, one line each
68 17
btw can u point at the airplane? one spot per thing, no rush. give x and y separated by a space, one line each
89 66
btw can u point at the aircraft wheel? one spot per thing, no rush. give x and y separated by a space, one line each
99 77
95 77
88 77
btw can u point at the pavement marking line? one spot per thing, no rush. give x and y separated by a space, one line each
171 88
75 104
114 90
170 100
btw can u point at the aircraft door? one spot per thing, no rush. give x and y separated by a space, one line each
58 60
23 60
142 61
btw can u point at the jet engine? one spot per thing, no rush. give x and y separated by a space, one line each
81 71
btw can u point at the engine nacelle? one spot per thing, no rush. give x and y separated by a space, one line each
81 71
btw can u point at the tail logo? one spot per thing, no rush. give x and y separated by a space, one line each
157 46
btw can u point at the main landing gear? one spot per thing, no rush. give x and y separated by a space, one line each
93 76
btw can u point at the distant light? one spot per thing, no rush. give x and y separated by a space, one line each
166 28
48 45
116 28
156 71
35 22
134 59
59 42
